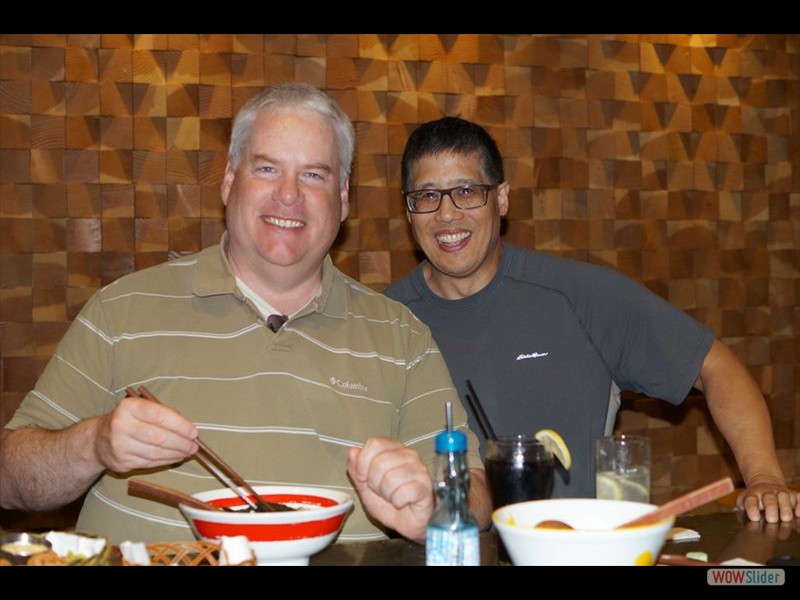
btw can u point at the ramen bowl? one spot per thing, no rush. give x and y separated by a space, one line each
277 538
592 539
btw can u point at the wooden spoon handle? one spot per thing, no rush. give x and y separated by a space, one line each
684 503
168 495
676 560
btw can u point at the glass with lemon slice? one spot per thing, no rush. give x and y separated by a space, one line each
521 467
622 468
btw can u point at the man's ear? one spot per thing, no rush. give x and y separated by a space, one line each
227 183
502 198
345 198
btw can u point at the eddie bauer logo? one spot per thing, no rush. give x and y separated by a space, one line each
532 355
348 385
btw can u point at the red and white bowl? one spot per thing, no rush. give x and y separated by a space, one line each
277 538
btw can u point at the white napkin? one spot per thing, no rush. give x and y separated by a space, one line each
680 534
79 545
135 553
235 550
739 562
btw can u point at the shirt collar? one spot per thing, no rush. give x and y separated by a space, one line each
213 276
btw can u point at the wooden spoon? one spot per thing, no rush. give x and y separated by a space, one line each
168 495
673 508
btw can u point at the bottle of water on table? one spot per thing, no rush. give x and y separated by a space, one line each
452 537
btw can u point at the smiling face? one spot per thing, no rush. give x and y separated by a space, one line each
462 246
285 200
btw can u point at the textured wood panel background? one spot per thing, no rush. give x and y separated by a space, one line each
674 158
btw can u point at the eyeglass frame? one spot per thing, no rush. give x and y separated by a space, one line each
449 192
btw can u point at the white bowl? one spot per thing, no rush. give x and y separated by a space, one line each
593 540
277 538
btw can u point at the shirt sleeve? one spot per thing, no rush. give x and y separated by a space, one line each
649 345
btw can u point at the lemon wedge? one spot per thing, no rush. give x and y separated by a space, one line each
635 492
611 486
556 445
608 487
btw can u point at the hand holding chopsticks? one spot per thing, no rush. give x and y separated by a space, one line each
219 468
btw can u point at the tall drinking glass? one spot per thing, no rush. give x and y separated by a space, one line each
622 468
519 468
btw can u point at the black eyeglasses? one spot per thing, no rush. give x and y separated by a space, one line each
466 197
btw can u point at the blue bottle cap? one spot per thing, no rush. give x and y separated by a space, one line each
451 441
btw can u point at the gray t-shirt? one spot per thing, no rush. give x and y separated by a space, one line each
546 340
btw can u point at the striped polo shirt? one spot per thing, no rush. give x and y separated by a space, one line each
281 408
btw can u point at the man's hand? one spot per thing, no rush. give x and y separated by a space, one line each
394 485
42 469
140 434
740 412
770 496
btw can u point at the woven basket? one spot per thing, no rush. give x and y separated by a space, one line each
184 554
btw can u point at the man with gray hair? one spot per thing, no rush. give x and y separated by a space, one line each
294 372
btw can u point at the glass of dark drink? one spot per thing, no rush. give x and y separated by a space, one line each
519 468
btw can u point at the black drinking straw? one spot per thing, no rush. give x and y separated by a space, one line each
483 420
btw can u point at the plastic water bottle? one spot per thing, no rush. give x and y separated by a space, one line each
452 537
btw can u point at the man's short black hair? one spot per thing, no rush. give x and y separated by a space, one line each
456 135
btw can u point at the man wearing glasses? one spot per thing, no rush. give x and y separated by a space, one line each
549 342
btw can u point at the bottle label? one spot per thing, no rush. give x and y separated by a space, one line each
452 548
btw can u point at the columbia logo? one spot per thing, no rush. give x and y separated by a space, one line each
348 385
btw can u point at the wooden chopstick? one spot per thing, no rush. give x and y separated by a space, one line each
676 560
214 463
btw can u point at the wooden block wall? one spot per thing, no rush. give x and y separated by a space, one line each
674 158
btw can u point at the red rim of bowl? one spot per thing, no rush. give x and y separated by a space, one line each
211 528
270 532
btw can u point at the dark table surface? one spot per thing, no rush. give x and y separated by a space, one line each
724 536
729 535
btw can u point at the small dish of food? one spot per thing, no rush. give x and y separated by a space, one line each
19 548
